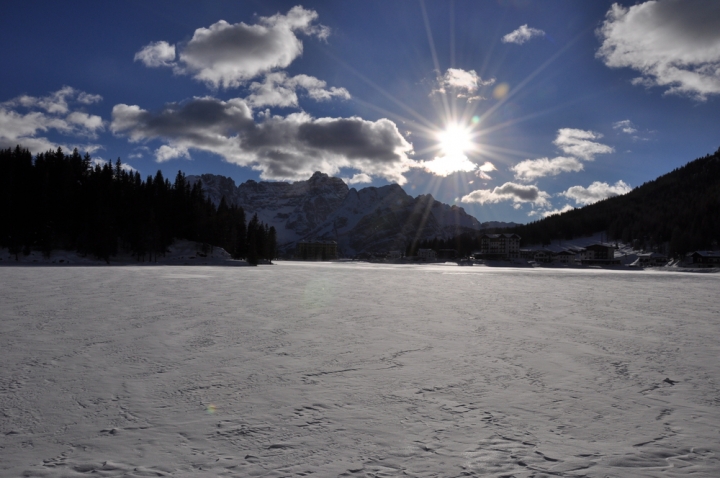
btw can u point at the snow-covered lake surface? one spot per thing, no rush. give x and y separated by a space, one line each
358 370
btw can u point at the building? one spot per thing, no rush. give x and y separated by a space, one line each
565 257
499 246
426 254
704 258
652 259
543 256
528 254
447 254
316 251
600 254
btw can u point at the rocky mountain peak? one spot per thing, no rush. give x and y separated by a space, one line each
324 207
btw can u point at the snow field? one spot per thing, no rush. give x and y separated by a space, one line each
308 369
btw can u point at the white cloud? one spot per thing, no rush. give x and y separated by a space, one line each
674 44
87 98
522 34
166 153
56 103
90 124
226 55
464 84
517 193
487 166
290 147
360 178
139 152
155 54
279 89
546 213
447 165
596 192
531 169
483 169
97 161
574 142
625 126
577 142
24 119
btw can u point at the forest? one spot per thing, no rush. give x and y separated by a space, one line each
60 201
676 213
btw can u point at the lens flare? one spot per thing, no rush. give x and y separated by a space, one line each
501 91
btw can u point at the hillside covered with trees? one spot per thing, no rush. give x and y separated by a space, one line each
676 213
680 210
59 201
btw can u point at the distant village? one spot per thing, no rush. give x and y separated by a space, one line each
504 249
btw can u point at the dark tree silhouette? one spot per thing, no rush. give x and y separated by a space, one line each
59 201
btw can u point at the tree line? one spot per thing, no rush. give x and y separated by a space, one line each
676 213
464 244
60 201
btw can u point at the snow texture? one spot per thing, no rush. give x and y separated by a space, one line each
358 370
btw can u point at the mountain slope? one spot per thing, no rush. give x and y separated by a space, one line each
386 218
293 209
679 210
323 208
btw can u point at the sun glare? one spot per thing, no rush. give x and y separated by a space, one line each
455 140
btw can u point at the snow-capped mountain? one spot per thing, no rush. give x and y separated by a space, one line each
293 208
324 208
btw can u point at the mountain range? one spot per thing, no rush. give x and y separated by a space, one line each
325 208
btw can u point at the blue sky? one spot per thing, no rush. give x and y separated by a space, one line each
512 109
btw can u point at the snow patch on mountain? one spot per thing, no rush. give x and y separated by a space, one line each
324 208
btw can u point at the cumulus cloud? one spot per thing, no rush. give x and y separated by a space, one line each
596 192
290 147
56 102
453 163
156 54
462 83
577 142
24 120
279 89
625 126
517 193
546 213
97 161
166 153
522 34
226 55
483 170
672 43
447 165
531 169
360 178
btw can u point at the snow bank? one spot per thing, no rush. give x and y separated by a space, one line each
181 252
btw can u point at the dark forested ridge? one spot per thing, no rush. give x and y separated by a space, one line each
59 201
676 213
679 211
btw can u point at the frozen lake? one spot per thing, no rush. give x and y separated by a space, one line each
363 370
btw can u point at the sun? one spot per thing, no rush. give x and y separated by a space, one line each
455 140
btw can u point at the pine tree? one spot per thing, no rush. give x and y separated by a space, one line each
252 229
